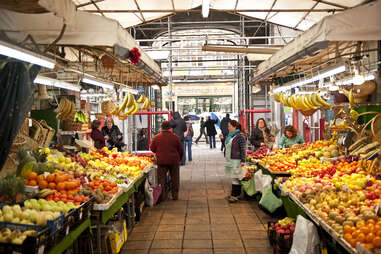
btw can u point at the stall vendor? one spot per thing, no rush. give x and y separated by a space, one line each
290 137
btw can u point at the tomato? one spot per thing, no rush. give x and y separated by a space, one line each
64 200
56 199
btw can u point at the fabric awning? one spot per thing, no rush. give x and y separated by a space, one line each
362 23
90 30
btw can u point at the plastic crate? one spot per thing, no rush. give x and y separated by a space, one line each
32 244
284 241
83 212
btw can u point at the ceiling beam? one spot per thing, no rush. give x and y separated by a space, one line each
332 4
239 50
96 6
141 13
88 3
305 15
272 6
216 10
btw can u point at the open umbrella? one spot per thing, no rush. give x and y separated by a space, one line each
193 117
213 116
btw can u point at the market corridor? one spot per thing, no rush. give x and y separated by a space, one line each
201 221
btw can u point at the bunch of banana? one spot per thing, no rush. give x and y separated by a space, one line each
80 117
146 102
127 102
302 102
132 110
45 192
65 110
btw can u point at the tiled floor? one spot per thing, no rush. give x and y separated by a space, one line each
201 221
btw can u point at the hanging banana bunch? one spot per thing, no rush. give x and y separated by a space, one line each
65 110
302 102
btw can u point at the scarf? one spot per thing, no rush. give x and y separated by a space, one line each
231 135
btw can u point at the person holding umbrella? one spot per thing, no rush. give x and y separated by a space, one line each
211 131
202 131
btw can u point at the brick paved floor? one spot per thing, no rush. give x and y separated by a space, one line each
201 221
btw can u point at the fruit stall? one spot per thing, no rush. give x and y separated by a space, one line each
54 199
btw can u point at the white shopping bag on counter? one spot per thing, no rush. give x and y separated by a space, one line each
262 182
306 237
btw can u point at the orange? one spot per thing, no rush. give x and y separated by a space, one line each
60 178
370 237
43 184
352 242
378 233
365 230
360 224
50 178
52 186
32 183
370 221
361 238
371 228
377 241
61 186
368 245
348 229
32 175
40 178
347 237
377 228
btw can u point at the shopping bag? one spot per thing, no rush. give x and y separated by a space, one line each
269 201
249 186
261 181
306 238
156 193
148 191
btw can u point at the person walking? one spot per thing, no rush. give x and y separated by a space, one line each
224 130
96 134
202 131
235 158
169 152
188 136
260 135
211 131
179 127
113 135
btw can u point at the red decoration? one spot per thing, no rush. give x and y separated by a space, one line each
134 56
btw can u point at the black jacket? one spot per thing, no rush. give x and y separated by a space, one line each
210 129
202 126
257 138
112 133
178 124
224 126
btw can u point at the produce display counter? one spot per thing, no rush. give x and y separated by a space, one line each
267 171
71 237
294 207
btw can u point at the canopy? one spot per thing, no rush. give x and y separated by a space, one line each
362 23
297 14
90 30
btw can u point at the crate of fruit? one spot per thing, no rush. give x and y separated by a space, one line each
17 238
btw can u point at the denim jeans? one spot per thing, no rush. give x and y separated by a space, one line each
187 143
212 141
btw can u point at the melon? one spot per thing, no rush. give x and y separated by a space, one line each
334 153
327 154
332 148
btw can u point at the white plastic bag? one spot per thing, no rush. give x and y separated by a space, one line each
261 181
148 194
306 237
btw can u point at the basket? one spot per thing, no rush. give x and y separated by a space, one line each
376 128
25 127
271 233
36 132
107 107
18 142
10 166
69 125
49 134
309 112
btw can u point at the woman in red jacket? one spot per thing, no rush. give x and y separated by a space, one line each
169 152
96 134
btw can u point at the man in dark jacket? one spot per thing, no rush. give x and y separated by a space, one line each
224 130
211 131
169 152
179 126
202 131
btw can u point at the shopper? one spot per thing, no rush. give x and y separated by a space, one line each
169 152
188 136
235 157
202 131
96 134
224 130
290 137
179 127
260 135
112 135
211 131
